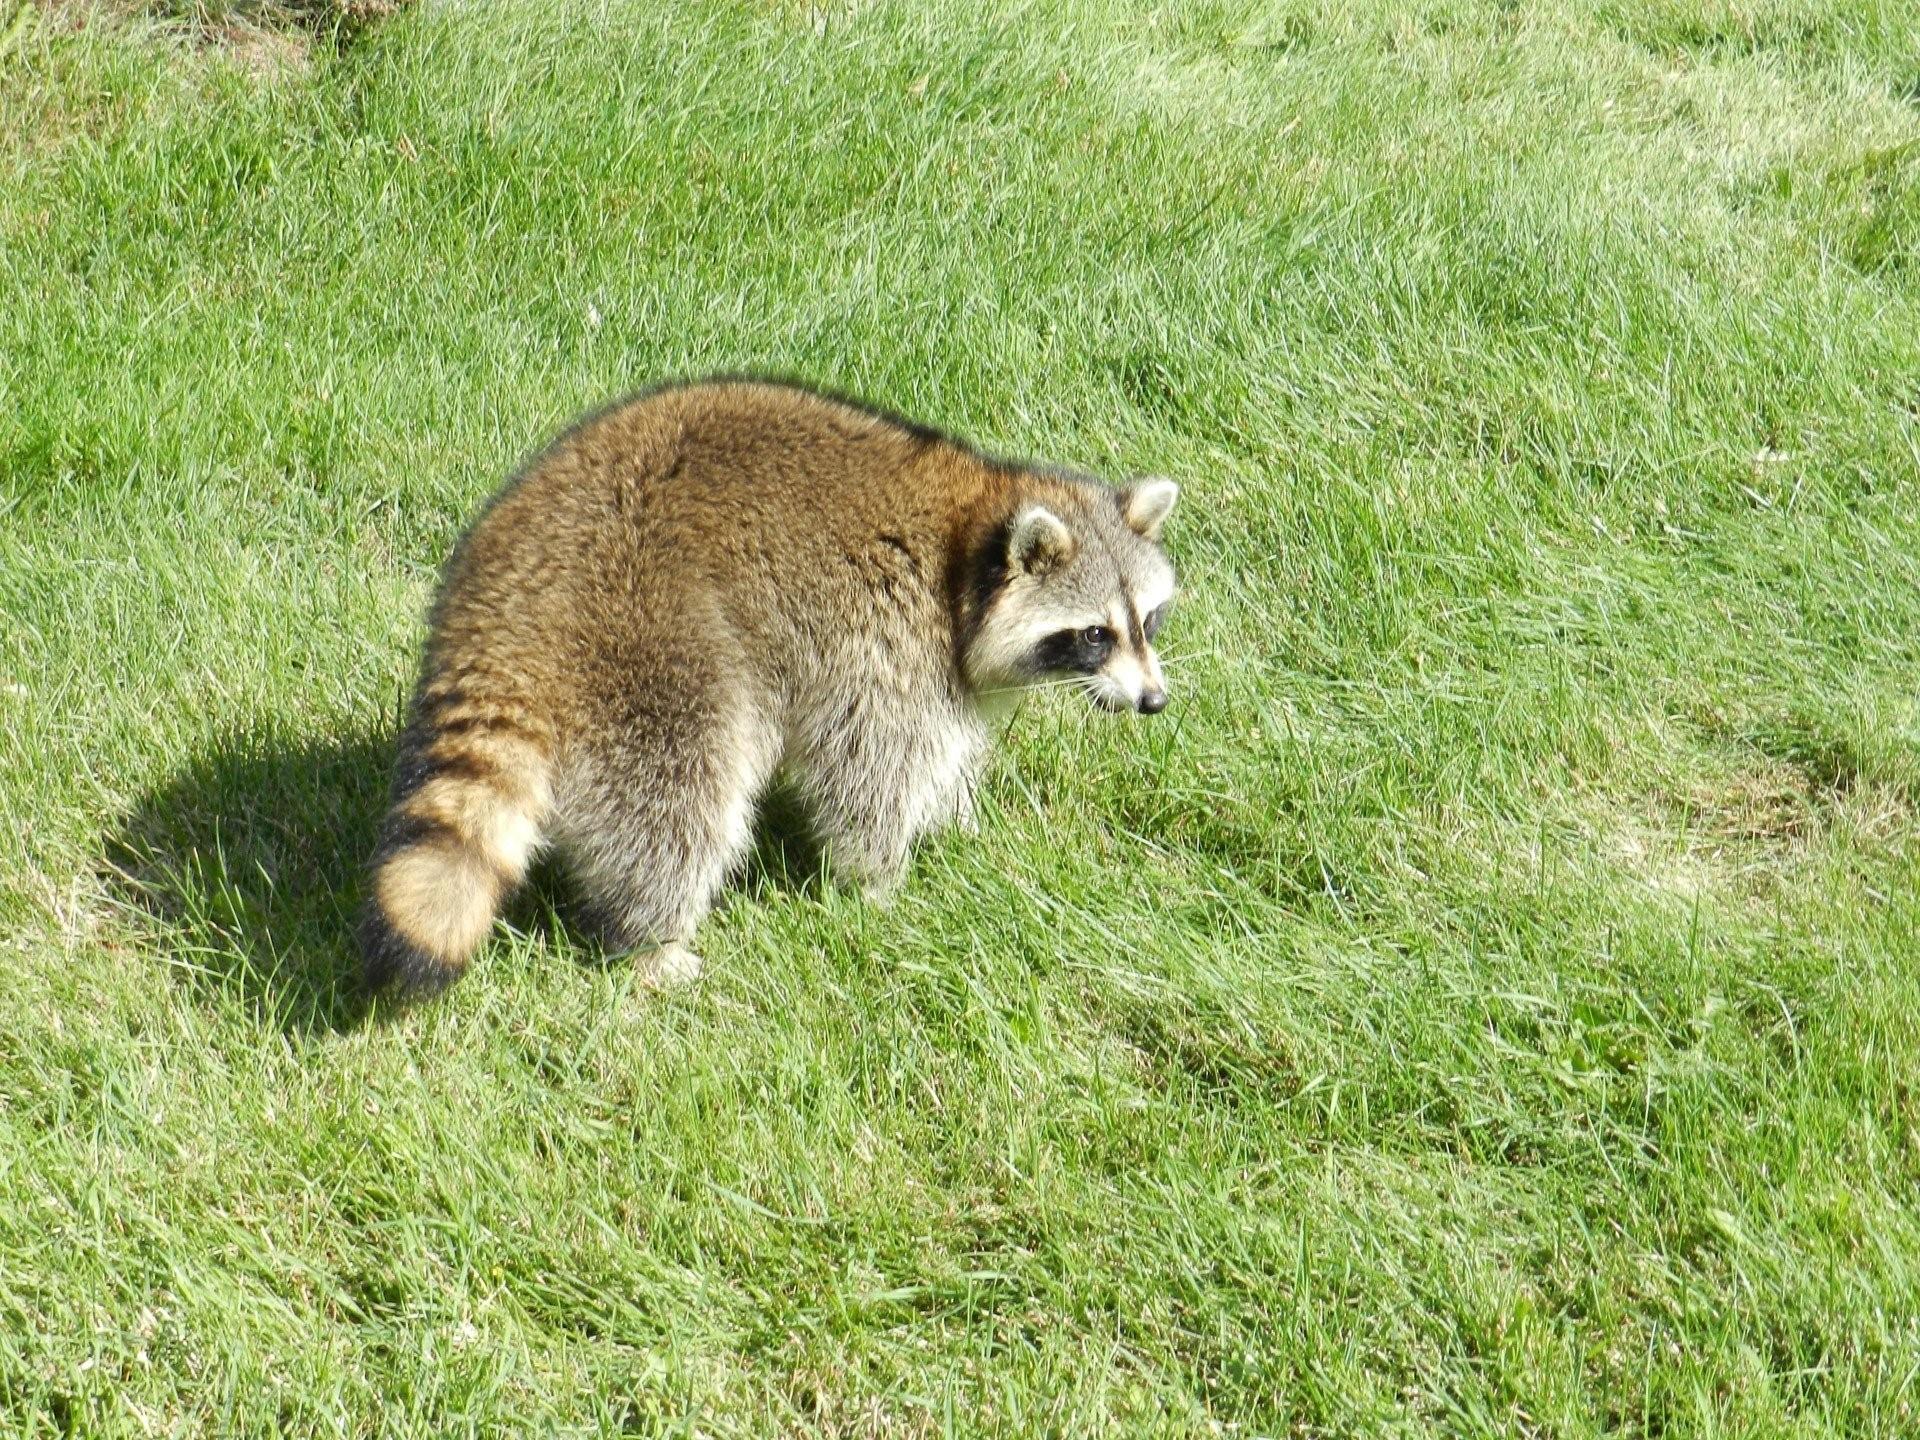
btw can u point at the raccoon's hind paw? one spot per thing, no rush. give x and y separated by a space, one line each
670 965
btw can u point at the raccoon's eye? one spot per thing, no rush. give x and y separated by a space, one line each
1072 652
1150 626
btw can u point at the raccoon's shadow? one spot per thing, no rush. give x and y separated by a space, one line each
247 866
786 855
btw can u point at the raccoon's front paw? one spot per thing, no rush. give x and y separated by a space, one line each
966 818
668 966
880 893
875 884
876 873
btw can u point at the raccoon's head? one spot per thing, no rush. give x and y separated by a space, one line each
1073 590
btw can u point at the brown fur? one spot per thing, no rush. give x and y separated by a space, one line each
683 595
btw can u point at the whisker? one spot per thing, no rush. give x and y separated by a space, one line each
1064 682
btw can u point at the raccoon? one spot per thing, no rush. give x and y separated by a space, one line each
707 587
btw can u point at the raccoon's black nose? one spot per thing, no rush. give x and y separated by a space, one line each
1152 702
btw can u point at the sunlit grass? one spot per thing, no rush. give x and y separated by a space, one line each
1483 1004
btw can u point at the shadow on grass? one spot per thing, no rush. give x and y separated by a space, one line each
249 866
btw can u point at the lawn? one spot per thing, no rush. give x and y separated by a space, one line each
1487 1002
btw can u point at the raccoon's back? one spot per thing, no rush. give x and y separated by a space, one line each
790 506
733 457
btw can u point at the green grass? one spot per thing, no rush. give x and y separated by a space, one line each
1486 1003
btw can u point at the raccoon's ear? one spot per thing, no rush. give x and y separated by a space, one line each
1038 540
1147 503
